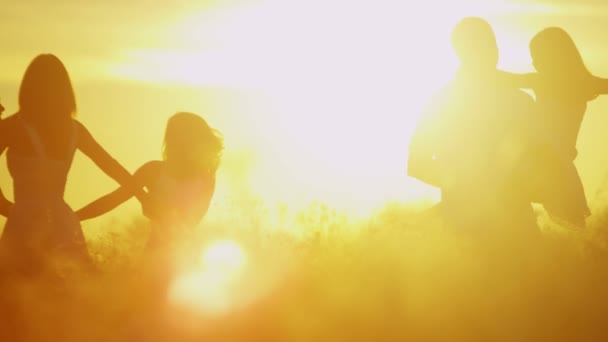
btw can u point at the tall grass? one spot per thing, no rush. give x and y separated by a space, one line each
317 275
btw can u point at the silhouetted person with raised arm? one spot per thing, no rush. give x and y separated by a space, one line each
472 140
563 86
41 139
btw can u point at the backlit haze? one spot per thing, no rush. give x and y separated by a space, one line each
317 99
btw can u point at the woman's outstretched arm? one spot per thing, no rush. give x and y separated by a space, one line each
107 164
104 204
115 198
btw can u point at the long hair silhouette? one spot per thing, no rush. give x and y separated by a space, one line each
553 50
560 64
191 146
46 91
47 100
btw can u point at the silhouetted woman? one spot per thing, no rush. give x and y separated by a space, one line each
180 186
41 139
563 86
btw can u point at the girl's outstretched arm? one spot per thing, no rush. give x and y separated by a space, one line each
115 198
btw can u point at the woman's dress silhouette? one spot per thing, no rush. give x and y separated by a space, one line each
42 231
40 222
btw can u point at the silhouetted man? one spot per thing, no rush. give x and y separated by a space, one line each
472 140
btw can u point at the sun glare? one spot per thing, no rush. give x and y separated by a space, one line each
211 288
343 83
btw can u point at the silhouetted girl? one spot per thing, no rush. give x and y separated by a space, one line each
41 139
180 186
563 86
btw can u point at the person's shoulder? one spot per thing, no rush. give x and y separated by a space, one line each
84 139
152 165
80 128
79 124
150 168
148 172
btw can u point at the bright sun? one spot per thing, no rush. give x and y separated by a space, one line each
342 84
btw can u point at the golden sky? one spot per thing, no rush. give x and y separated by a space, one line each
314 97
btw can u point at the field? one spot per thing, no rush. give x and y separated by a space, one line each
318 276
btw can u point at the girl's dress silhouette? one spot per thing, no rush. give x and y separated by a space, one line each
41 219
185 202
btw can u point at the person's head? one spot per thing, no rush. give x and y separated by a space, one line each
191 146
46 94
474 43
554 53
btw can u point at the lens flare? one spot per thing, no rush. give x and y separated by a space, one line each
211 290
